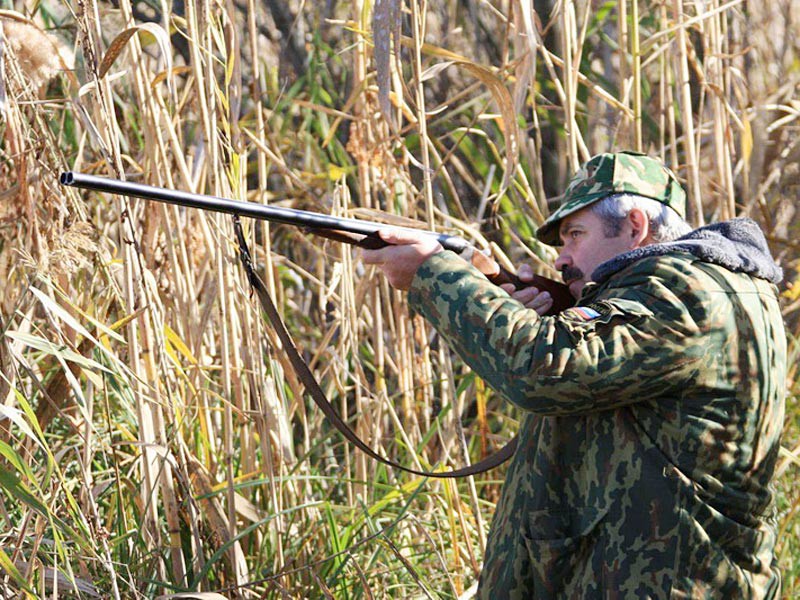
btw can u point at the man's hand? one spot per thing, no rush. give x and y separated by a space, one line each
400 261
530 297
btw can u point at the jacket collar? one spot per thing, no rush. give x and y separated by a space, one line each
738 245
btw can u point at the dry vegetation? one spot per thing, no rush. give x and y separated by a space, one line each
153 439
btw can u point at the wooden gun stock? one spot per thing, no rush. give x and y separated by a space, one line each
559 292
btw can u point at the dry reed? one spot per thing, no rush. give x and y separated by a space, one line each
154 440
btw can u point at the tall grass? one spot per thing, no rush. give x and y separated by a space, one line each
154 441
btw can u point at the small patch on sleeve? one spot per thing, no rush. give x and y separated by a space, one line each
581 313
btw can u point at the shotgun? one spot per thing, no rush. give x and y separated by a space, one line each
357 232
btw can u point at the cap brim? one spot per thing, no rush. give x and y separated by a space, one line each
548 233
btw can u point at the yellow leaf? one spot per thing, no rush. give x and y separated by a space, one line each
747 139
117 325
792 291
335 172
178 344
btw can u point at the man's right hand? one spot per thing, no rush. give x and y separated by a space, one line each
530 297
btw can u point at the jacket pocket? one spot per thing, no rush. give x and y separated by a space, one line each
561 546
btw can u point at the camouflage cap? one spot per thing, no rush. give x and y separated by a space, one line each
615 173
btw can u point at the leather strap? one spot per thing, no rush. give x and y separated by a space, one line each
312 387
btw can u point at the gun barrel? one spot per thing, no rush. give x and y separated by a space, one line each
275 214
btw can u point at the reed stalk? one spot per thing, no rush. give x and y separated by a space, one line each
694 192
636 57
568 42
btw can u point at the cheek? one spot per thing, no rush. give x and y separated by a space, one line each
605 252
584 260
589 257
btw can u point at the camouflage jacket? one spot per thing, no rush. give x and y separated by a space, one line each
653 413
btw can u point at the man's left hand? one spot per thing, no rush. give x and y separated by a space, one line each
400 261
530 297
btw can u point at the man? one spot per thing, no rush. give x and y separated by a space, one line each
653 408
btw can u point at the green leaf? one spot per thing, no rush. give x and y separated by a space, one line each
59 351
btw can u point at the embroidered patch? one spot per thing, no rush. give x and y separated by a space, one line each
582 313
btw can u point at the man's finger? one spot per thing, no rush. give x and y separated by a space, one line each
388 255
525 295
525 272
373 257
542 300
400 237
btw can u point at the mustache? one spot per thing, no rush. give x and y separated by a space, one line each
571 273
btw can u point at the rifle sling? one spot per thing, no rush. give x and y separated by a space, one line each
309 381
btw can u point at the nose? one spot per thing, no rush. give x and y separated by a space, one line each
563 260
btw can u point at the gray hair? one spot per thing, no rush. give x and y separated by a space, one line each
665 224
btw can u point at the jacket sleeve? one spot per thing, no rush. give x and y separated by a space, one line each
635 343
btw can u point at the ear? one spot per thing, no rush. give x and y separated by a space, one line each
639 228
